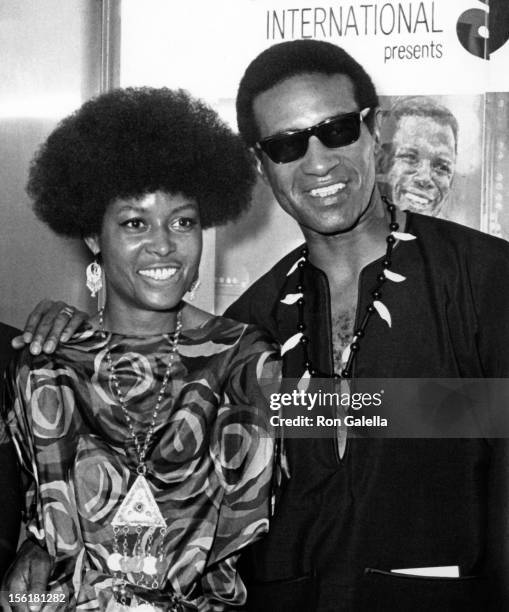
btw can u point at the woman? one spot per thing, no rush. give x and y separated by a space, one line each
147 453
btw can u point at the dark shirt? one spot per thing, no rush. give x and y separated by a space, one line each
10 505
342 525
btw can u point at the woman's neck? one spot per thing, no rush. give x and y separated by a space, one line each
130 321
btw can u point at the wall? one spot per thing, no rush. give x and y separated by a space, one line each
51 62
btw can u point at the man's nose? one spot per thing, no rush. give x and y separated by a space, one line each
161 241
423 173
318 159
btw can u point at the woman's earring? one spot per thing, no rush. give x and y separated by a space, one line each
94 278
193 288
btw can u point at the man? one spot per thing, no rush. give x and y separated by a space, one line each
423 155
343 524
10 506
353 512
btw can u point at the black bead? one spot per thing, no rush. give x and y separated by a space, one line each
377 295
307 365
337 376
386 263
301 327
365 320
313 372
381 278
304 340
300 288
301 264
300 302
390 239
391 207
359 333
304 252
354 347
345 373
370 308
394 227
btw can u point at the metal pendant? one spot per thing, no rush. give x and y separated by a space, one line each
139 508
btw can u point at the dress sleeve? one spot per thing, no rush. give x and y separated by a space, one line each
10 509
243 450
36 418
17 390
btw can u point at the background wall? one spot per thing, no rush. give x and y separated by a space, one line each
51 54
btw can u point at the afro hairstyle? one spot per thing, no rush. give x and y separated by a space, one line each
292 58
134 141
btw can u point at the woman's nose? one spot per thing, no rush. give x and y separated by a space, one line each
162 241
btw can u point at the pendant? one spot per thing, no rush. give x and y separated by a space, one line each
135 525
115 606
342 429
139 508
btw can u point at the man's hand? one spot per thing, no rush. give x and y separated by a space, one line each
29 573
47 325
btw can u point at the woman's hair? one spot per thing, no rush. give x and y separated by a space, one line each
130 142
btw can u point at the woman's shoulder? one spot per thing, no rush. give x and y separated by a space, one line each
199 323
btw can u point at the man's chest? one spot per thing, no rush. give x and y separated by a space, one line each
343 315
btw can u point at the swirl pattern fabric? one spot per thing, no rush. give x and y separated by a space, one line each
210 462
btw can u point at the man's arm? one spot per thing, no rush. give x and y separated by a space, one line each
48 324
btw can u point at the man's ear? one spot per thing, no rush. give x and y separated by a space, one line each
260 170
377 126
92 243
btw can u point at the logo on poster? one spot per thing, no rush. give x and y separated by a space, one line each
477 28
376 19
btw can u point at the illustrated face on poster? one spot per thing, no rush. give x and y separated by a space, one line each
420 154
430 155
423 161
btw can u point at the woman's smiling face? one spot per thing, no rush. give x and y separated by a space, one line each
150 248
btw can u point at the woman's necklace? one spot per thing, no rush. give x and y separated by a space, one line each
136 522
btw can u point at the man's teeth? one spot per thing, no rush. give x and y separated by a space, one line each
159 273
323 192
420 200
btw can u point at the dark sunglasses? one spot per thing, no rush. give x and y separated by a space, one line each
338 131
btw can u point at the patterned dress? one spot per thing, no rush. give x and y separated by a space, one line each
210 462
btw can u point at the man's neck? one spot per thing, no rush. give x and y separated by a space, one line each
342 256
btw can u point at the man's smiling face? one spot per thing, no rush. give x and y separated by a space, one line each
327 190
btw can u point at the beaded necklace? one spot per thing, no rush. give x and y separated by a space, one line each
376 305
136 522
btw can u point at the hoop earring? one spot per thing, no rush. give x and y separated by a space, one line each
193 288
94 277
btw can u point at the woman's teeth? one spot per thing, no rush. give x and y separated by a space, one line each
159 273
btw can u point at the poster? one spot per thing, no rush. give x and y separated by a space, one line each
437 70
